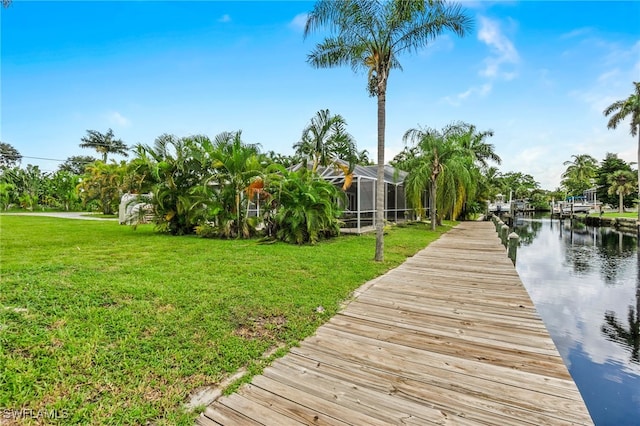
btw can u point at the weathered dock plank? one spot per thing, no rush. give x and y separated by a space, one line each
450 337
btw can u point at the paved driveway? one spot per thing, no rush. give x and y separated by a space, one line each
63 215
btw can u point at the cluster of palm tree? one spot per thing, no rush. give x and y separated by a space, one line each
580 174
613 179
30 188
227 188
325 141
221 187
447 163
103 184
196 180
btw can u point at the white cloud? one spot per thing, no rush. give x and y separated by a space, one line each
529 157
502 49
612 74
224 18
117 119
577 32
299 22
480 92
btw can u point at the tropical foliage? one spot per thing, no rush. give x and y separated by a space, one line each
580 174
24 187
76 164
325 141
103 184
180 195
623 109
447 163
306 207
9 156
622 183
211 187
608 166
62 192
237 164
370 35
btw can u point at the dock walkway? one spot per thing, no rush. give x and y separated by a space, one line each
450 337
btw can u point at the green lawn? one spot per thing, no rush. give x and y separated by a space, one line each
114 326
616 214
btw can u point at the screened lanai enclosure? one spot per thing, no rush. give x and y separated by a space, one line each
360 204
360 207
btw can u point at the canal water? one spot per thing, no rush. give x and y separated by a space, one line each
585 284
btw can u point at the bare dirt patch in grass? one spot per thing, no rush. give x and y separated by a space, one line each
261 327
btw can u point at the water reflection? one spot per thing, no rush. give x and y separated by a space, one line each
629 336
616 331
585 284
586 247
527 229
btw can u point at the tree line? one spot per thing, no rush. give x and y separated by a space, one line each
226 187
614 180
200 185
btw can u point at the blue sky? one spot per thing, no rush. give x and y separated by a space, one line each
538 73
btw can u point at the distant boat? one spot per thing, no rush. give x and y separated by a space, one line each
573 205
499 205
577 208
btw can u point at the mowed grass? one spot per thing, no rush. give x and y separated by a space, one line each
615 214
108 325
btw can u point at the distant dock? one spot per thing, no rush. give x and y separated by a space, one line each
449 337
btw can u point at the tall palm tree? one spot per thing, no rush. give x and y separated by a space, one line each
104 144
622 183
371 35
622 109
580 174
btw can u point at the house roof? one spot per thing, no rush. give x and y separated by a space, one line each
334 174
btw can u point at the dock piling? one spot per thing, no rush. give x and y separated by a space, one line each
512 250
504 234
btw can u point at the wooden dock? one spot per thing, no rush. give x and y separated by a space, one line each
450 337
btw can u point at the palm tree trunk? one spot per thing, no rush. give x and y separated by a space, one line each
433 189
380 186
238 213
621 201
638 205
